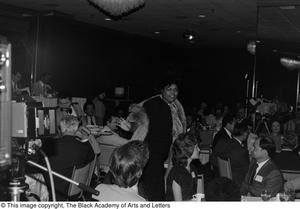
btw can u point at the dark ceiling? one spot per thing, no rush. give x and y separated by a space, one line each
214 23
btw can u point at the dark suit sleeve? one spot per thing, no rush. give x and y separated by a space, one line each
239 161
273 183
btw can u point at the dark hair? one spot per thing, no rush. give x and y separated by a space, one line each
239 129
267 145
168 81
228 118
222 189
127 163
63 95
88 103
183 148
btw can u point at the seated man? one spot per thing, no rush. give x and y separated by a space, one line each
127 164
112 137
222 189
89 117
68 152
287 159
262 173
66 107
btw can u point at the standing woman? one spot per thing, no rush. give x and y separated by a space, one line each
163 125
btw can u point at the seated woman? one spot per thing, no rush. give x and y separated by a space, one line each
276 135
182 180
126 167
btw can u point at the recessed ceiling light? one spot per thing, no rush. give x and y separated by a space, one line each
202 16
157 32
238 31
275 50
107 19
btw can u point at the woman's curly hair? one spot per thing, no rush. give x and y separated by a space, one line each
183 148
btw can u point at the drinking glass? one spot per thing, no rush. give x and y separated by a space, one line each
265 195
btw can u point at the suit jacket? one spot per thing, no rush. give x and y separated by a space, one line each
219 145
239 160
268 178
68 152
287 160
88 120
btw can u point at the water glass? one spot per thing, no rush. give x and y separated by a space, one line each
265 195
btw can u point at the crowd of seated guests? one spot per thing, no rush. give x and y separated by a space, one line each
256 158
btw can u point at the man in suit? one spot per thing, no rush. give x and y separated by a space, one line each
287 159
69 152
89 117
238 154
222 137
263 174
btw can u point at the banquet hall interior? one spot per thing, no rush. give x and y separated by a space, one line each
96 65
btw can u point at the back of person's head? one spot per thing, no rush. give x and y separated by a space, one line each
137 114
69 124
183 148
127 163
267 145
290 141
228 118
239 129
222 189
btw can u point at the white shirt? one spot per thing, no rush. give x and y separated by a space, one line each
228 132
238 141
116 193
260 165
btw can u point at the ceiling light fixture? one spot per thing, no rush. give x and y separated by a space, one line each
157 32
188 35
202 16
117 8
107 19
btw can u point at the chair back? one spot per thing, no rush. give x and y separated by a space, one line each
91 171
207 138
106 151
224 168
79 175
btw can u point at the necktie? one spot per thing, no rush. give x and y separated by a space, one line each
91 119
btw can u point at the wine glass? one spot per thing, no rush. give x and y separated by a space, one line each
265 195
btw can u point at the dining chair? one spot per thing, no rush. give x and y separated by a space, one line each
79 175
104 158
224 168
